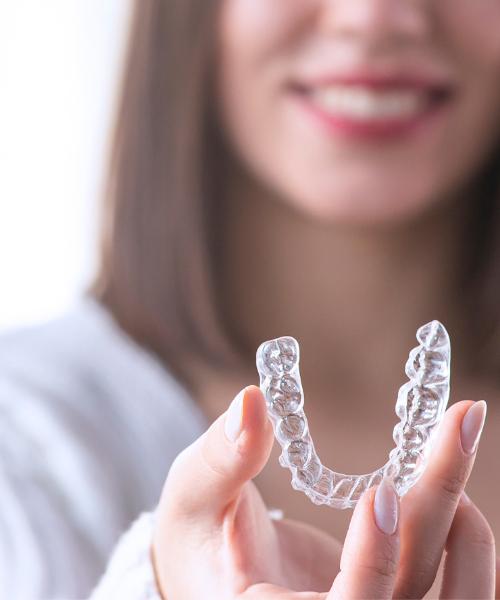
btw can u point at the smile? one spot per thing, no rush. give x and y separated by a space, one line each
364 104
421 406
377 108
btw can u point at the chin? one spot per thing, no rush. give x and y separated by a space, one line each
366 210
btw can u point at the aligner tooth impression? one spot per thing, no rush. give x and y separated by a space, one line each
421 405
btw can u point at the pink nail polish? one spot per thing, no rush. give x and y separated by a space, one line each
386 507
233 425
472 426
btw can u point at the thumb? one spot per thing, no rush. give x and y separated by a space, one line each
206 479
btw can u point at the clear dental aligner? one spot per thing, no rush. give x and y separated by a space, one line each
421 405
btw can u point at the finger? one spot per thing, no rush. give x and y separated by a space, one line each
369 562
429 507
469 566
209 475
212 526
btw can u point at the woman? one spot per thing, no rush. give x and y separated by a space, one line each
326 169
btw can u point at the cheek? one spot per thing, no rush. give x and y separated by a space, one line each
471 29
471 34
251 29
257 40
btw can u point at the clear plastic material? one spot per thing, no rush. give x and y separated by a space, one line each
421 405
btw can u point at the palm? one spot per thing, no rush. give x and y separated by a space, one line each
286 553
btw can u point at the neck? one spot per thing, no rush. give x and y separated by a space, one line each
352 297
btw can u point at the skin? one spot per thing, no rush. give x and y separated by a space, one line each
219 542
266 44
327 239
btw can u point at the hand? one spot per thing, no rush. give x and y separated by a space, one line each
214 538
433 517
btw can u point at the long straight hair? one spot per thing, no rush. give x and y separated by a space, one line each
157 269
156 276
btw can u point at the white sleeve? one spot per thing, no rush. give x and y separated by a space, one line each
130 574
57 518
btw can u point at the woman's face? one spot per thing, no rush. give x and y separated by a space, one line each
361 111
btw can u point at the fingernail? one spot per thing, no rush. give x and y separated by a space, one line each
472 426
464 499
233 425
386 507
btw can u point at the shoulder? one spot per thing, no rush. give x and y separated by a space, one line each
82 347
82 344
85 369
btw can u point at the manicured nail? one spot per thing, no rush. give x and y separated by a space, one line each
386 506
233 426
464 499
472 426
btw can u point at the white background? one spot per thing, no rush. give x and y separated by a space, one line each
59 66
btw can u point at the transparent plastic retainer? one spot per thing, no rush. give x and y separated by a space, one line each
421 405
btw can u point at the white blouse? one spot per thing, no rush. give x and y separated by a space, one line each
89 426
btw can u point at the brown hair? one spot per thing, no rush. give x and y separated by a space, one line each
157 273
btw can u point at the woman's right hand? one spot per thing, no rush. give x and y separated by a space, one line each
215 540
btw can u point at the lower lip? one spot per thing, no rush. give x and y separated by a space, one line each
390 129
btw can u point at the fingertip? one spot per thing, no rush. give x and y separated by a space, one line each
240 441
255 389
450 428
375 518
458 410
364 507
464 422
257 435
472 426
246 412
255 410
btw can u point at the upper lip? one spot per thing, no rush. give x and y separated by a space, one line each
402 79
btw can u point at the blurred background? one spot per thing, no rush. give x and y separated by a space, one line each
59 68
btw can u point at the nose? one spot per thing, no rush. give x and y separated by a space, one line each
379 23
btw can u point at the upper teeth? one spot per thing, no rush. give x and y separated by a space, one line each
368 104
